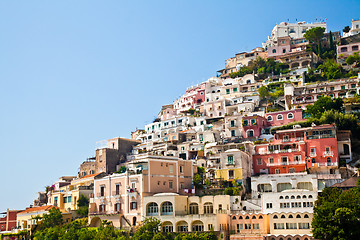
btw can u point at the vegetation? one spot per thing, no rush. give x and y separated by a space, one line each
78 230
323 104
198 178
83 206
337 214
354 58
314 36
262 67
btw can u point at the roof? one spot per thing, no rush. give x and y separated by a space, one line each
348 183
37 209
91 175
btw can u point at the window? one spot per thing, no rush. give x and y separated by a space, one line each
171 185
133 205
250 133
230 159
167 208
291 170
279 226
269 118
171 168
234 89
312 152
239 227
279 117
259 161
232 123
232 133
264 187
256 226
283 186
117 207
271 160
102 191
231 174
247 226
290 116
304 226
227 91
284 160
297 158
102 208
277 171
253 121
355 48
208 208
181 169
193 208
332 88
210 227
246 122
268 205
274 51
291 226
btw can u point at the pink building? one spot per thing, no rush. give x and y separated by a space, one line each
253 126
295 150
118 197
192 99
283 117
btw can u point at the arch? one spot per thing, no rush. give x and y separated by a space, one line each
269 118
281 197
152 209
194 208
247 217
134 221
310 196
166 208
233 218
298 197
253 217
290 116
305 185
95 222
292 197
279 117
286 197
298 216
250 133
182 226
167 227
306 216
240 217
304 196
197 226
275 217
305 63
283 186
260 217
208 208
295 65
290 216
283 216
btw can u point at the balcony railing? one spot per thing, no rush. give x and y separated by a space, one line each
99 194
328 153
321 136
285 163
312 154
324 164
105 212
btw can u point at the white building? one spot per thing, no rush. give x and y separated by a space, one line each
355 28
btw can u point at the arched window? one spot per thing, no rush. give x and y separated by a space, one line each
240 217
253 217
304 196
283 186
291 216
275 217
282 216
234 218
269 118
306 216
260 217
193 208
292 197
310 196
290 116
281 197
298 197
197 226
208 208
286 197
279 117
152 209
247 217
167 208
250 133
274 51
298 216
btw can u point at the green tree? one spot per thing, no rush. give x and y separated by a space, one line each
346 29
314 35
354 58
322 104
148 230
83 206
337 215
52 219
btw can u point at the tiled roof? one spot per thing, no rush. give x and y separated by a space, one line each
37 209
351 182
91 175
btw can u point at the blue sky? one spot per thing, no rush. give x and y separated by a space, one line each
76 72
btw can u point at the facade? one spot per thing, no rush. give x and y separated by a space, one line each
246 225
118 197
188 213
355 28
8 220
27 219
192 99
348 46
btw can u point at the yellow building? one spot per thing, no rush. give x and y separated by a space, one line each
30 217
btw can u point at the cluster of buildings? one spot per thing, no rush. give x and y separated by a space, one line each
221 131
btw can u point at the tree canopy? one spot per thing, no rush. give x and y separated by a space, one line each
322 104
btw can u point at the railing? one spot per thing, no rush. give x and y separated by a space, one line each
321 136
312 154
324 164
285 163
116 193
222 211
328 153
99 194
106 212
286 140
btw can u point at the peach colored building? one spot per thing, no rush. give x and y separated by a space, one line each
118 197
249 226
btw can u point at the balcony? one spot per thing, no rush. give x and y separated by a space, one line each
116 193
328 154
321 136
99 194
325 164
105 213
286 140
285 163
312 154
